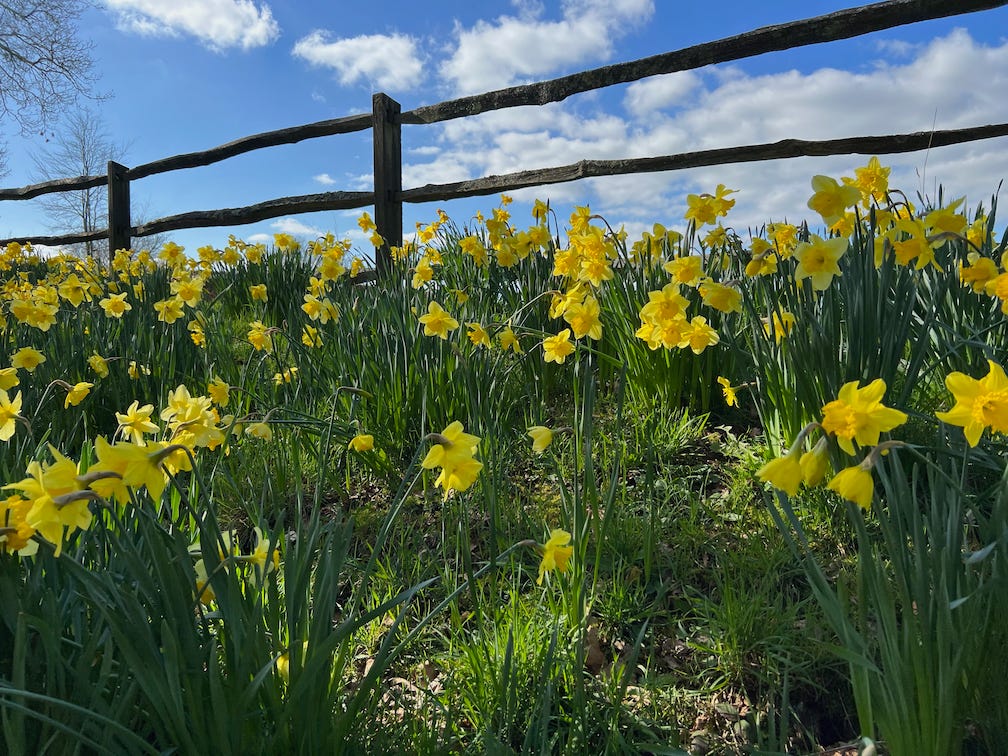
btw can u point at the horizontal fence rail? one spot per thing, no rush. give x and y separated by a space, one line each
386 120
786 148
831 27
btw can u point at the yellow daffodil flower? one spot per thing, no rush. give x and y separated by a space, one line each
818 260
556 554
362 442
542 437
854 484
729 391
77 394
437 322
557 348
857 414
784 473
10 410
980 403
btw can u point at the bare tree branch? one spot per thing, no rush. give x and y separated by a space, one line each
45 67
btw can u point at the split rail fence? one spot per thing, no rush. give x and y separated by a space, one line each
386 120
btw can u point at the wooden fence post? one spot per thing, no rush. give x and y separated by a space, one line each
387 176
118 209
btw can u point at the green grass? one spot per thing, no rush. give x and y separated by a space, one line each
696 613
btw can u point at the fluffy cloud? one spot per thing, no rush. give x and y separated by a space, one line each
218 24
724 107
387 61
658 92
325 179
296 227
496 54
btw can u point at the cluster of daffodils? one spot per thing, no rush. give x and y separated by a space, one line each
583 266
453 451
856 416
329 254
53 500
499 245
856 420
664 321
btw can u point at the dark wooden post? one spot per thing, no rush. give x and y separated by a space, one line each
387 176
118 208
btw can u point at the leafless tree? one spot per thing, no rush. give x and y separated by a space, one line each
79 147
45 67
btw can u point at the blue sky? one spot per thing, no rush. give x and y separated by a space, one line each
186 75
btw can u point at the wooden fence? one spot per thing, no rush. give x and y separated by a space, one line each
386 121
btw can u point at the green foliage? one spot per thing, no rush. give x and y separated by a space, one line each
404 615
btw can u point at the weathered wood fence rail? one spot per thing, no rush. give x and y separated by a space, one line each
386 121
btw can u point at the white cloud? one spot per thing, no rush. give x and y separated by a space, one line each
658 92
491 55
295 227
387 61
218 24
325 179
727 107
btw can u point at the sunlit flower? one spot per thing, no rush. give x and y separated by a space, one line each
27 358
980 403
857 414
854 484
453 453
169 310
10 410
258 293
286 242
285 376
542 437
873 181
779 325
946 219
784 473
831 199
698 335
706 208
260 430
258 337
557 348
583 317
77 394
8 378
556 554
219 391
135 423
188 290
980 271
814 464
729 391
478 335
115 305
508 340
818 260
362 442
99 364
685 270
721 297
58 503
437 322
311 337
423 272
